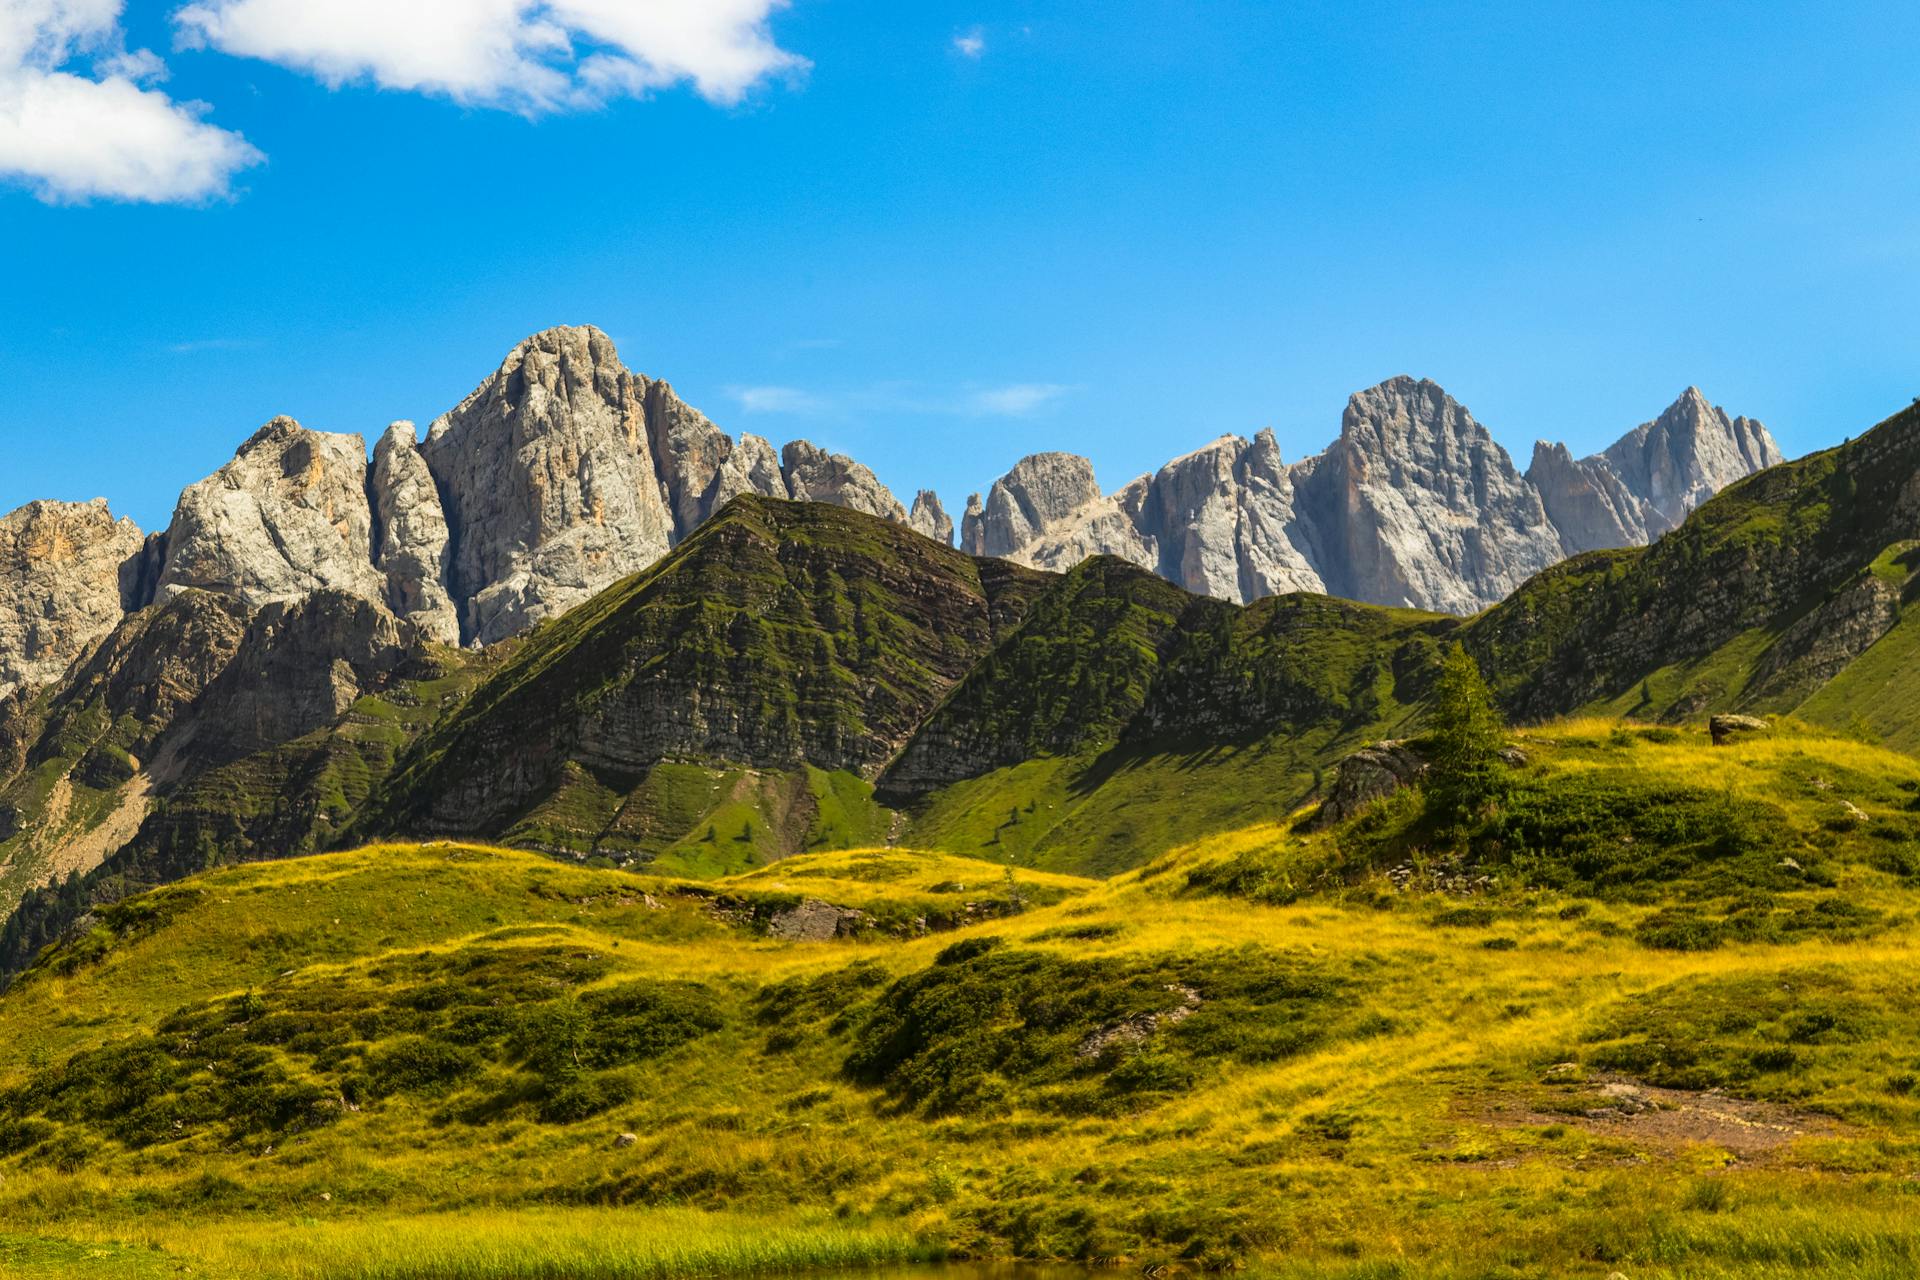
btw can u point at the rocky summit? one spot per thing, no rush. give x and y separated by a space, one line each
565 472
1414 505
67 571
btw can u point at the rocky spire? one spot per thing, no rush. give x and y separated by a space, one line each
412 549
930 518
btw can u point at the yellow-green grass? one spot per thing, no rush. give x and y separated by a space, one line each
1419 1125
619 1244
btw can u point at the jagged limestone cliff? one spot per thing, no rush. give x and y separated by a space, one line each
1415 504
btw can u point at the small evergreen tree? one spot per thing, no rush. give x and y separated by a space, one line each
1466 774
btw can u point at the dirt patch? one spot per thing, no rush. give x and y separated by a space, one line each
1616 1107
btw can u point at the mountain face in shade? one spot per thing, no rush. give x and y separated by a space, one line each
1414 505
565 472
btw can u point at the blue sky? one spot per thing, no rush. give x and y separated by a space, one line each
939 236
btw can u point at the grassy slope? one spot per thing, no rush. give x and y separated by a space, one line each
1231 722
1328 1053
1719 615
780 636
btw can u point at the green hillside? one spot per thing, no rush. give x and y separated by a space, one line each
780 637
1655 1011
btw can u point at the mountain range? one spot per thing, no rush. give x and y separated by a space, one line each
564 472
797 676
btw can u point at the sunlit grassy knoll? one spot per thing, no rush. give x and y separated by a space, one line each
1656 1019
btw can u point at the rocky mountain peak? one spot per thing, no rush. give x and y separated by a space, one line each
565 471
68 570
288 516
547 474
1646 482
1041 493
1414 504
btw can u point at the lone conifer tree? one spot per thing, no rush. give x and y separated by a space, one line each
1466 773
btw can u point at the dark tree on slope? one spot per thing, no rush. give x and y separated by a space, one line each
1466 775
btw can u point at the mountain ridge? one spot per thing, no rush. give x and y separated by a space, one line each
564 471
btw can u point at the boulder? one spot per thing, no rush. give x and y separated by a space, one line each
813 921
1367 777
1729 728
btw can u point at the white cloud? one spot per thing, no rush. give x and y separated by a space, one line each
970 44
776 400
75 133
1017 400
527 55
1012 401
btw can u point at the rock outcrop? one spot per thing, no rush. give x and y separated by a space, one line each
814 475
412 537
1414 505
930 519
1367 777
287 517
68 572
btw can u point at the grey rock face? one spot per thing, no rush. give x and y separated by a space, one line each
1042 495
287 517
1587 500
701 468
547 477
412 552
1414 505
750 467
814 475
68 571
1647 482
930 518
1418 506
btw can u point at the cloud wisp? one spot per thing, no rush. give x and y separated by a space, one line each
531 56
971 44
80 120
1012 400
